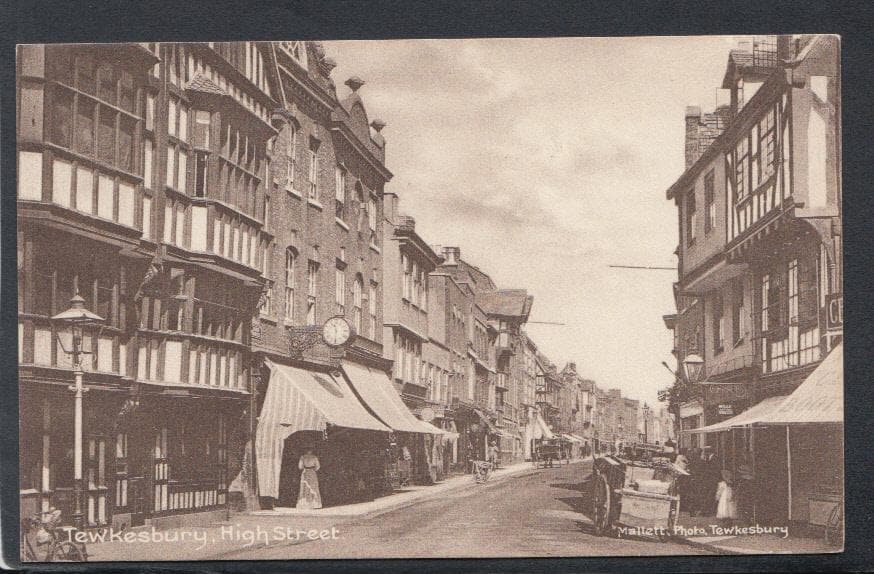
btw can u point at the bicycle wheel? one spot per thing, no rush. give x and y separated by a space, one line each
66 551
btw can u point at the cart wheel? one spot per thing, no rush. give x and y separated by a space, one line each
602 505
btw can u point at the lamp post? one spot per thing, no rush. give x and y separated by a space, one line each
77 317
645 420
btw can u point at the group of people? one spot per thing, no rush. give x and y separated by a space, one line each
708 490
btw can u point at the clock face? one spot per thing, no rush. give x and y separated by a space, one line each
336 331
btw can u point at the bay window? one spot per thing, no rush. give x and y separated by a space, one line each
789 317
93 112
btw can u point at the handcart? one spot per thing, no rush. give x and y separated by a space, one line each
638 497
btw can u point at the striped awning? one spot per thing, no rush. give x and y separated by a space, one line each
541 430
300 400
378 393
819 399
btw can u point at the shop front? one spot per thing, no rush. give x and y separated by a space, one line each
150 456
811 423
413 439
317 411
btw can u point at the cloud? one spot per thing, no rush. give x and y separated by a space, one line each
546 160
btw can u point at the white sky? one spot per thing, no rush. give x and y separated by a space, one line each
545 161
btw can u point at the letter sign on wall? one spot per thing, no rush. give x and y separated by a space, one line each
835 312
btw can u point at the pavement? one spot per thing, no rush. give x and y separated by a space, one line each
520 511
409 495
246 530
757 539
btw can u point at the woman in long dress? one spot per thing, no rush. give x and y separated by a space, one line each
309 496
726 508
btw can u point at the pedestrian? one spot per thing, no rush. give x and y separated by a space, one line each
309 496
745 491
711 478
726 505
695 481
494 454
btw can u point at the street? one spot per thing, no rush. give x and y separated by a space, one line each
533 514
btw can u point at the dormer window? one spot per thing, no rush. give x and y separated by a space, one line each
297 51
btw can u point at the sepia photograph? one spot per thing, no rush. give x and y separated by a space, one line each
446 298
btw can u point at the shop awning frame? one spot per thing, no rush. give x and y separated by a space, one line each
752 415
378 393
301 400
819 399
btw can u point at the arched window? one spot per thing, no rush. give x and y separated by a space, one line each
290 260
357 288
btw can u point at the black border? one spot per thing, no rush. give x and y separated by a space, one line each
35 21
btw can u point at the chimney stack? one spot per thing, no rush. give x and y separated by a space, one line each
693 120
451 255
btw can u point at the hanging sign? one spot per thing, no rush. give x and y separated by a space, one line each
834 315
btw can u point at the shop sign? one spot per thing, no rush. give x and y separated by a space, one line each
725 410
722 393
834 315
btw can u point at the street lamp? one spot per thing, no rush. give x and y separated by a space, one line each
645 425
693 365
77 317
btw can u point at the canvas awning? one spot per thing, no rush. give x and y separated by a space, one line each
492 429
819 399
378 393
300 400
752 415
541 430
447 434
571 438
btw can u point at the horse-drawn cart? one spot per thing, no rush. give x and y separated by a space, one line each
635 497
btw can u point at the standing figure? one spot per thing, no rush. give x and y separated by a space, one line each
309 496
711 477
696 481
726 507
494 454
